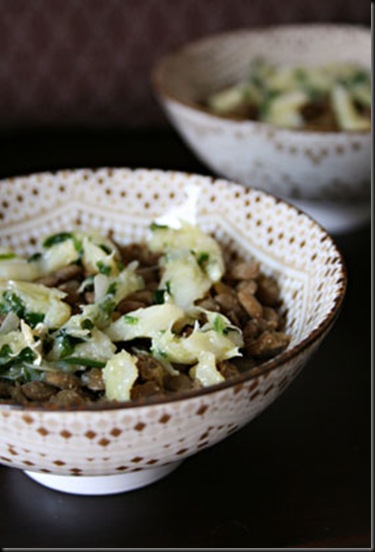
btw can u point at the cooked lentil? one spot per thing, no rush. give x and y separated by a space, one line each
247 297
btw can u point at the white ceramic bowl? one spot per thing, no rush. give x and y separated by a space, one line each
109 450
326 173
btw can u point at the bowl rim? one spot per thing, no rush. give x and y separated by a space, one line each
265 367
159 79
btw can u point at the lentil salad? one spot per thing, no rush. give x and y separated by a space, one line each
87 320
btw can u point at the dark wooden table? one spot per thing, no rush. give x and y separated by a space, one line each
297 476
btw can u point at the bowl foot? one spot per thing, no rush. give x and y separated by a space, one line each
102 484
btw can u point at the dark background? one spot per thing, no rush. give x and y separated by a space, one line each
75 92
87 62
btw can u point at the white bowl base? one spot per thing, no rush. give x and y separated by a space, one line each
102 484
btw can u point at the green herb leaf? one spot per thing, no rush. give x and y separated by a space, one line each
103 268
12 303
219 325
6 256
158 296
87 324
5 354
130 319
155 226
8 360
57 238
267 102
112 288
108 306
360 77
202 258
85 362
34 258
105 248
34 318
23 373
67 343
77 246
26 355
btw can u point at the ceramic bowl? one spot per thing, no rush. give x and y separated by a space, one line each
327 174
110 450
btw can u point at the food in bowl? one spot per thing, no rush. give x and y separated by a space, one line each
331 97
85 319
106 447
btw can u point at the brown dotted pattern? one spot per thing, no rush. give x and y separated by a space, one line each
104 442
115 432
139 426
42 431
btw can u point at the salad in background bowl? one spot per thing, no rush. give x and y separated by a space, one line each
283 108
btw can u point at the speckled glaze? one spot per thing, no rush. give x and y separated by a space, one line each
318 167
135 438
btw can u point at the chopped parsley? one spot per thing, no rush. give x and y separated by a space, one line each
130 319
67 343
7 256
103 268
57 238
159 294
202 258
34 258
155 226
15 367
85 362
11 302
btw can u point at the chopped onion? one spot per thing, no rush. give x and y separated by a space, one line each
10 323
